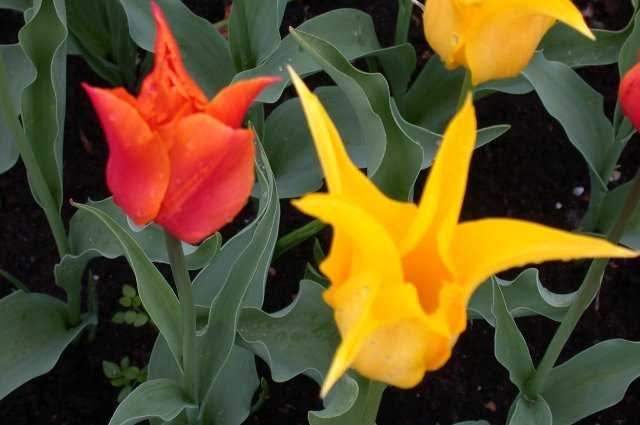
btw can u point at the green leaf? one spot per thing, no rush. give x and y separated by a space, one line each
510 347
296 237
124 301
301 339
160 398
100 33
20 72
577 107
141 320
524 296
290 148
34 333
230 399
157 296
528 412
129 291
110 369
473 423
243 284
131 373
254 30
119 318
16 4
611 207
86 234
43 40
350 31
130 317
432 99
564 44
592 381
394 159
204 51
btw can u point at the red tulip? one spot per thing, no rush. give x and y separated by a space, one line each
175 157
629 95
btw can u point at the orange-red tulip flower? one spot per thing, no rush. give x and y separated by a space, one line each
175 157
630 95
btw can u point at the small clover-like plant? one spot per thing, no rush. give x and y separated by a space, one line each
123 375
134 314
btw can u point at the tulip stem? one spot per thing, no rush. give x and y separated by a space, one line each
37 179
372 402
586 294
185 295
403 21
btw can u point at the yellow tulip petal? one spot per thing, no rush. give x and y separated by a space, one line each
342 176
441 201
503 48
370 245
484 247
443 27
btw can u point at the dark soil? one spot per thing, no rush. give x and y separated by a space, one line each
529 173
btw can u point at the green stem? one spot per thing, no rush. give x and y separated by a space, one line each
14 281
403 21
296 237
185 294
465 89
372 402
587 292
36 178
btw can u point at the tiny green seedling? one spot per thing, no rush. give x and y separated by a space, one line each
124 376
135 314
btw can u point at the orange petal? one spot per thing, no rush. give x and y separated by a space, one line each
211 177
630 95
168 91
138 165
232 103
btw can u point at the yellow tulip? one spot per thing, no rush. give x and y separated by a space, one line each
401 274
494 38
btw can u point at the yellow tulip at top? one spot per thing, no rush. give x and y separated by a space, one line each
494 38
401 274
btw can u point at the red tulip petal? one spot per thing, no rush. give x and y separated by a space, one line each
168 92
630 95
232 103
211 177
138 165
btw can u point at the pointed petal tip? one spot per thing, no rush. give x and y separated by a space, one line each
336 371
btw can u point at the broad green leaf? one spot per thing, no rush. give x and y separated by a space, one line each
566 45
43 40
611 207
592 381
510 347
254 30
158 298
301 339
524 296
86 234
34 334
68 275
204 51
528 412
229 401
432 99
290 149
100 33
350 31
158 398
576 106
393 159
21 73
16 4
242 285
